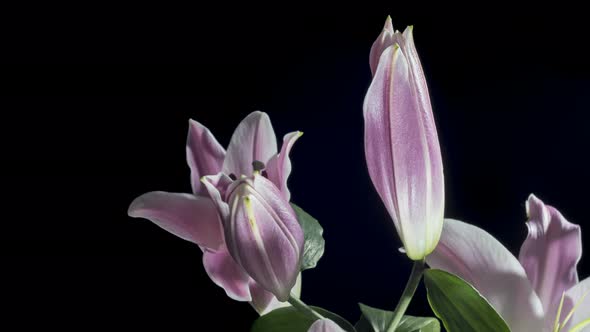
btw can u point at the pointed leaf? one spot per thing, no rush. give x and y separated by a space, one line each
290 319
418 324
377 320
313 249
460 306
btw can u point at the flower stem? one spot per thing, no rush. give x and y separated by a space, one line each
404 301
303 308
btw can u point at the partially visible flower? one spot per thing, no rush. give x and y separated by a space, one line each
526 291
261 230
401 143
325 325
194 217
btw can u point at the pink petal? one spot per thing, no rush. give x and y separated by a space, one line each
478 258
254 139
203 153
409 49
403 153
192 218
325 325
383 41
263 235
279 166
550 253
263 301
227 274
572 297
216 186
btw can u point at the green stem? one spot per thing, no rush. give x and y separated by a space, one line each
302 307
404 301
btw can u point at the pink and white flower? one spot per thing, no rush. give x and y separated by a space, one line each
526 291
401 143
195 218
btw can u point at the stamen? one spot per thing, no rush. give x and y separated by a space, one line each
574 309
258 165
580 326
556 323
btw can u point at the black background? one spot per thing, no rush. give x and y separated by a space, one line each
95 103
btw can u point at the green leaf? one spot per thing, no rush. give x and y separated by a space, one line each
290 319
418 324
313 249
377 320
460 306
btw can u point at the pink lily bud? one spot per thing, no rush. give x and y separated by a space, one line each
262 233
401 143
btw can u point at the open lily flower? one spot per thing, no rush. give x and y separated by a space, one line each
526 292
194 217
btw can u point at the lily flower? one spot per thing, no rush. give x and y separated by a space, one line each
261 230
539 290
195 218
401 143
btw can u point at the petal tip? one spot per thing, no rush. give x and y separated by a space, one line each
534 207
132 209
533 197
260 114
410 33
388 24
136 205
195 125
